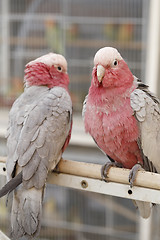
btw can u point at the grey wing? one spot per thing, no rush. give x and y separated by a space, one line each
84 106
147 112
17 116
42 131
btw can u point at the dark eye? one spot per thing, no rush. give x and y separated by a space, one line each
115 63
59 68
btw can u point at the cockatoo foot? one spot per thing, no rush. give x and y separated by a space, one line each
133 173
105 169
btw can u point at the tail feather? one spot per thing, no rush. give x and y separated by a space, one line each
26 212
11 185
144 208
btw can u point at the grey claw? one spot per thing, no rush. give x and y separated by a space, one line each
105 169
133 173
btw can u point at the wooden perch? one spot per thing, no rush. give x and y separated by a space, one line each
118 175
87 176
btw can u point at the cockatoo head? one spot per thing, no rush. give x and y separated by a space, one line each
48 70
110 70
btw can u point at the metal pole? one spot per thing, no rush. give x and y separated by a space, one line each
3 236
152 62
145 228
5 54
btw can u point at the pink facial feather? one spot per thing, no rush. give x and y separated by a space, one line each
40 74
49 70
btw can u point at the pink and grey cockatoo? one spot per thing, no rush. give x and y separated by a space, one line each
123 117
39 130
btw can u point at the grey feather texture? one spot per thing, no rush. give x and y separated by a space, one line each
29 208
84 107
147 112
39 124
41 130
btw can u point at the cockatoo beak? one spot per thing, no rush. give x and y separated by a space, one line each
100 73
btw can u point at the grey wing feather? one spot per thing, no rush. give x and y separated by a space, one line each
84 106
38 128
147 112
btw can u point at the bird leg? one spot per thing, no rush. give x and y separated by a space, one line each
105 169
133 173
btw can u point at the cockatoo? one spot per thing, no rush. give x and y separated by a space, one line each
39 130
123 117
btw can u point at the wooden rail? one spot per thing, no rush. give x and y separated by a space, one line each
87 177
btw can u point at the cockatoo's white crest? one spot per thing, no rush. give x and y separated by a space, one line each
51 59
106 56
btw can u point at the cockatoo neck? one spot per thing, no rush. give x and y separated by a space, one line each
110 96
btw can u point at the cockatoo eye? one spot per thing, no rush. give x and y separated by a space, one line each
59 68
115 63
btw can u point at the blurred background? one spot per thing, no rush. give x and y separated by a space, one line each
77 29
